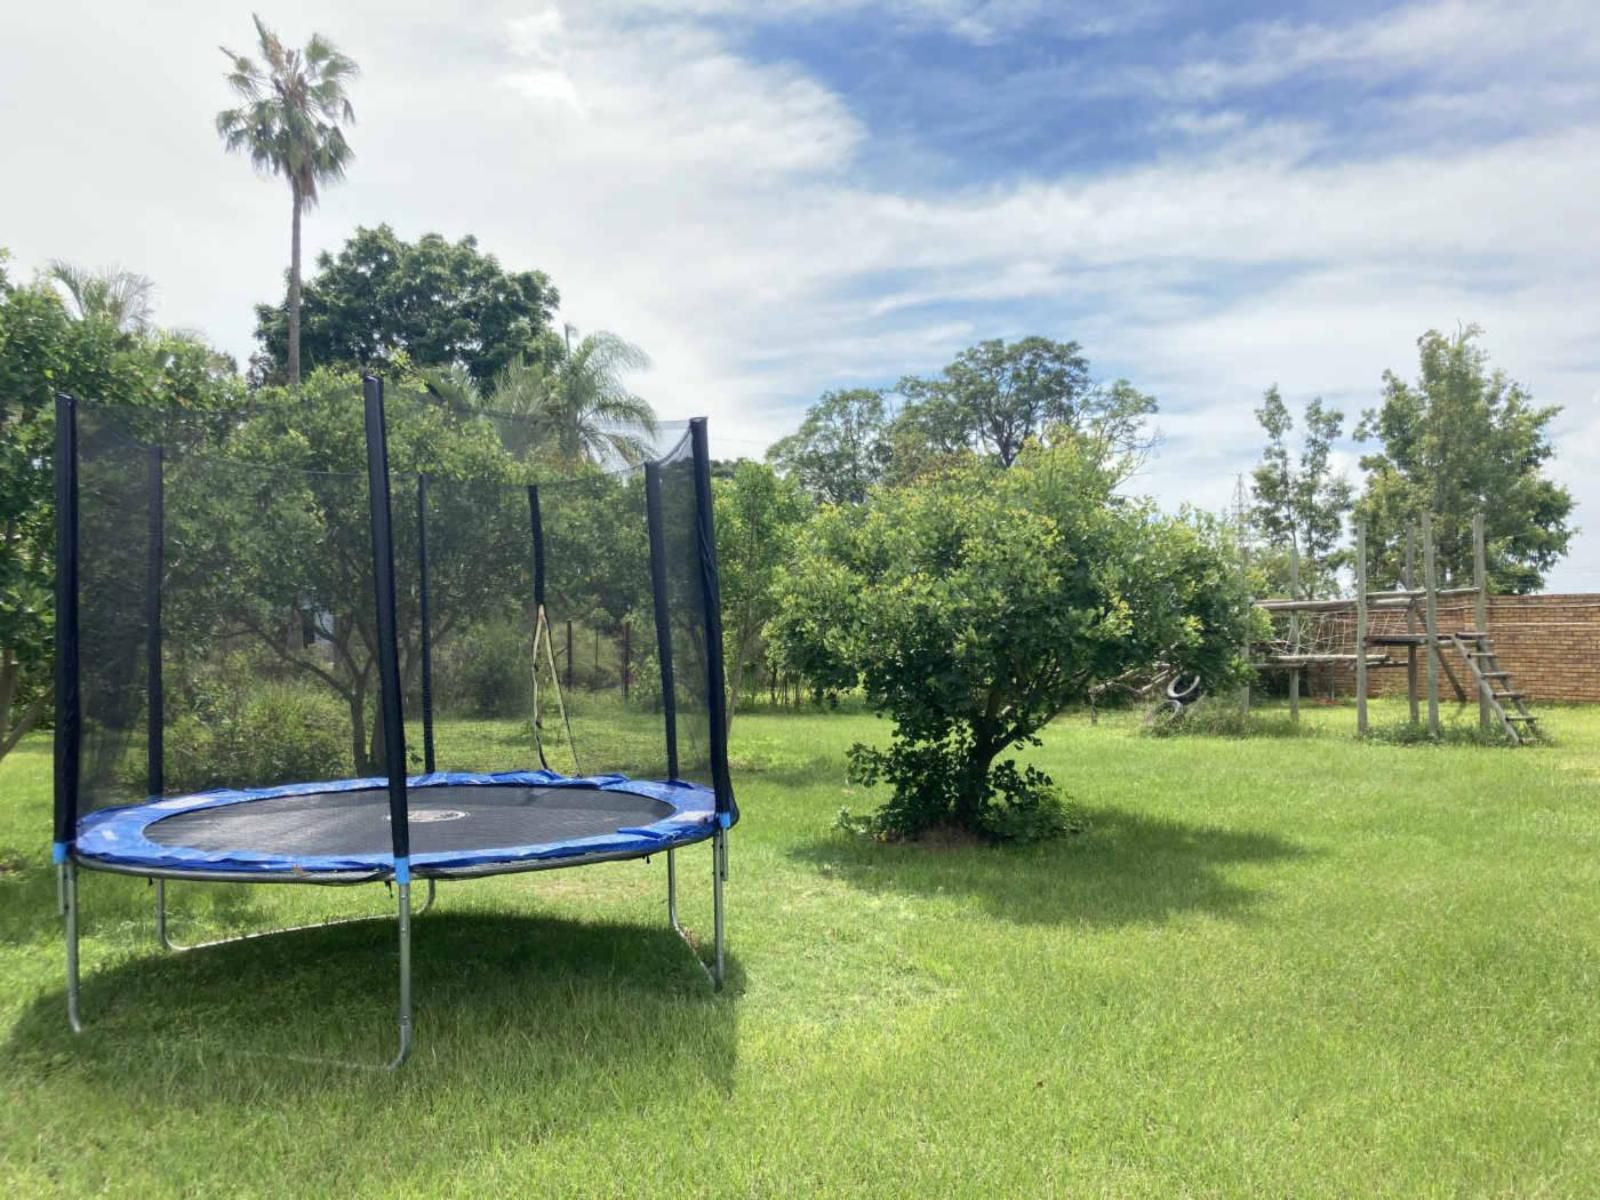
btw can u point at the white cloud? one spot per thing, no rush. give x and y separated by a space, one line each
712 207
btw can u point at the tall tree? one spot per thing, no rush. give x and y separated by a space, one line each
1459 440
432 303
996 395
120 298
1297 500
758 513
840 450
293 102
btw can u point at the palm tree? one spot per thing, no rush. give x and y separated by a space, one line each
288 124
122 299
580 401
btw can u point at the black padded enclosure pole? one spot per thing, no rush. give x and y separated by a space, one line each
155 568
392 714
658 588
69 715
536 529
424 614
716 700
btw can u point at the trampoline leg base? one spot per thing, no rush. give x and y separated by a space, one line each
719 869
67 883
404 922
180 948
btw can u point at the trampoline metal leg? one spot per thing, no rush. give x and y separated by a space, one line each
672 890
68 883
179 948
719 872
405 974
713 975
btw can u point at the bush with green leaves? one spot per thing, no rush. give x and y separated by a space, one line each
257 734
976 606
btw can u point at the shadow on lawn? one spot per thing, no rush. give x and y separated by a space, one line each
28 900
1127 868
504 1004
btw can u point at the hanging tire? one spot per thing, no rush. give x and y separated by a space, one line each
1184 689
1165 713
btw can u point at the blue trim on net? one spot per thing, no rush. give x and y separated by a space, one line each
121 835
58 852
725 820
402 870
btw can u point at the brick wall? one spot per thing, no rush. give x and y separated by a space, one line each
1549 643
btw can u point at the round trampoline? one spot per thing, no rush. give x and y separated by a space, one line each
225 617
462 825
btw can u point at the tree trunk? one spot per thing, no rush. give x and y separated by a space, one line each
294 292
974 788
357 699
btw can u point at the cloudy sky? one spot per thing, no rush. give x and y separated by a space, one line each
779 198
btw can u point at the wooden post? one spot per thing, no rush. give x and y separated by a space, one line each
1361 630
1430 585
1244 567
1480 611
1409 582
1294 632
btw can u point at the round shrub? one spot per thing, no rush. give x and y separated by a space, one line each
260 734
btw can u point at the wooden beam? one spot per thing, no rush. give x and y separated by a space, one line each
1480 608
1361 630
1431 619
1294 631
1409 581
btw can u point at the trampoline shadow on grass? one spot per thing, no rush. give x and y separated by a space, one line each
1125 868
501 998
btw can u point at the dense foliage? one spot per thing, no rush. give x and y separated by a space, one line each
44 349
381 301
996 396
974 607
759 514
1299 500
841 450
1460 440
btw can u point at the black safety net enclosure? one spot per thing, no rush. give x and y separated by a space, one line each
344 638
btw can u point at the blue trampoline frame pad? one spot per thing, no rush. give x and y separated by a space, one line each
119 839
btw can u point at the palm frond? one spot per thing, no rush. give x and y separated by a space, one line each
117 297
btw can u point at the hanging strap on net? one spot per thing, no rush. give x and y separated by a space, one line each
541 632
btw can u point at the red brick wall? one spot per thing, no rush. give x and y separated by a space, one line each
1549 643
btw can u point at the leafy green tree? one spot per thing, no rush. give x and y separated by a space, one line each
270 535
996 395
974 607
288 124
381 303
758 514
43 350
841 449
1298 501
1459 440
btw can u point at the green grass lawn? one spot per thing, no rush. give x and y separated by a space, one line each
1276 966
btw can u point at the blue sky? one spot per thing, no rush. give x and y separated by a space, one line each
779 198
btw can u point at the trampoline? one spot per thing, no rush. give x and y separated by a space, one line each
339 832
431 605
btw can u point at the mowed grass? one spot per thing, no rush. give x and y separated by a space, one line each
1275 966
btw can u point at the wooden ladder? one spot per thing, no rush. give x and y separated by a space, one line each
1494 685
